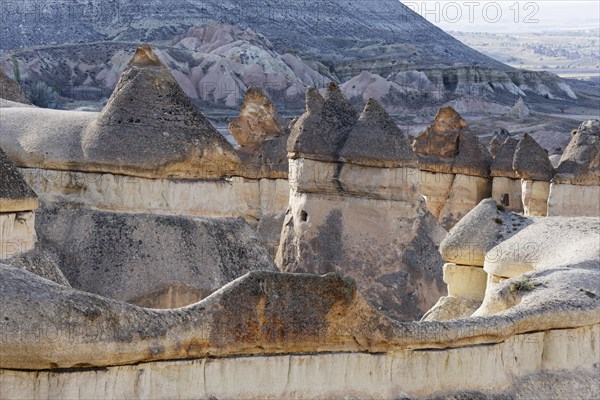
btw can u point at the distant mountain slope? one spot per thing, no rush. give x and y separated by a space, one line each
338 31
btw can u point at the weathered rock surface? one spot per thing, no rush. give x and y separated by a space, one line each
274 313
478 232
237 197
10 90
580 162
17 204
262 135
454 154
376 141
38 262
322 130
15 193
531 161
507 244
150 260
258 121
357 212
535 197
465 193
448 146
506 185
449 308
150 128
508 192
497 141
17 231
573 200
502 166
520 256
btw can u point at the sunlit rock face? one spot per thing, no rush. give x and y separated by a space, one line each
506 185
505 245
532 165
355 206
261 134
455 166
575 189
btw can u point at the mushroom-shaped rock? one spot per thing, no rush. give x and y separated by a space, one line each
477 232
580 163
10 90
377 141
150 128
322 130
15 193
531 161
258 121
502 166
473 158
448 146
497 141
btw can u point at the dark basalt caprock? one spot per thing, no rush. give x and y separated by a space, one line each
580 163
150 128
531 161
322 130
502 166
497 141
377 141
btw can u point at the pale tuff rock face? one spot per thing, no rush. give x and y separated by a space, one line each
150 128
520 111
149 260
507 246
580 163
39 262
535 198
448 146
531 161
506 185
17 205
551 328
355 202
10 90
261 134
508 192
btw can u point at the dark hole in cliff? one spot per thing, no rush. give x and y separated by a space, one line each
304 216
505 199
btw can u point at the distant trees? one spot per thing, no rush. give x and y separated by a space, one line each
16 71
44 96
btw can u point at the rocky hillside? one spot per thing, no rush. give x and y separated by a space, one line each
336 30
378 49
